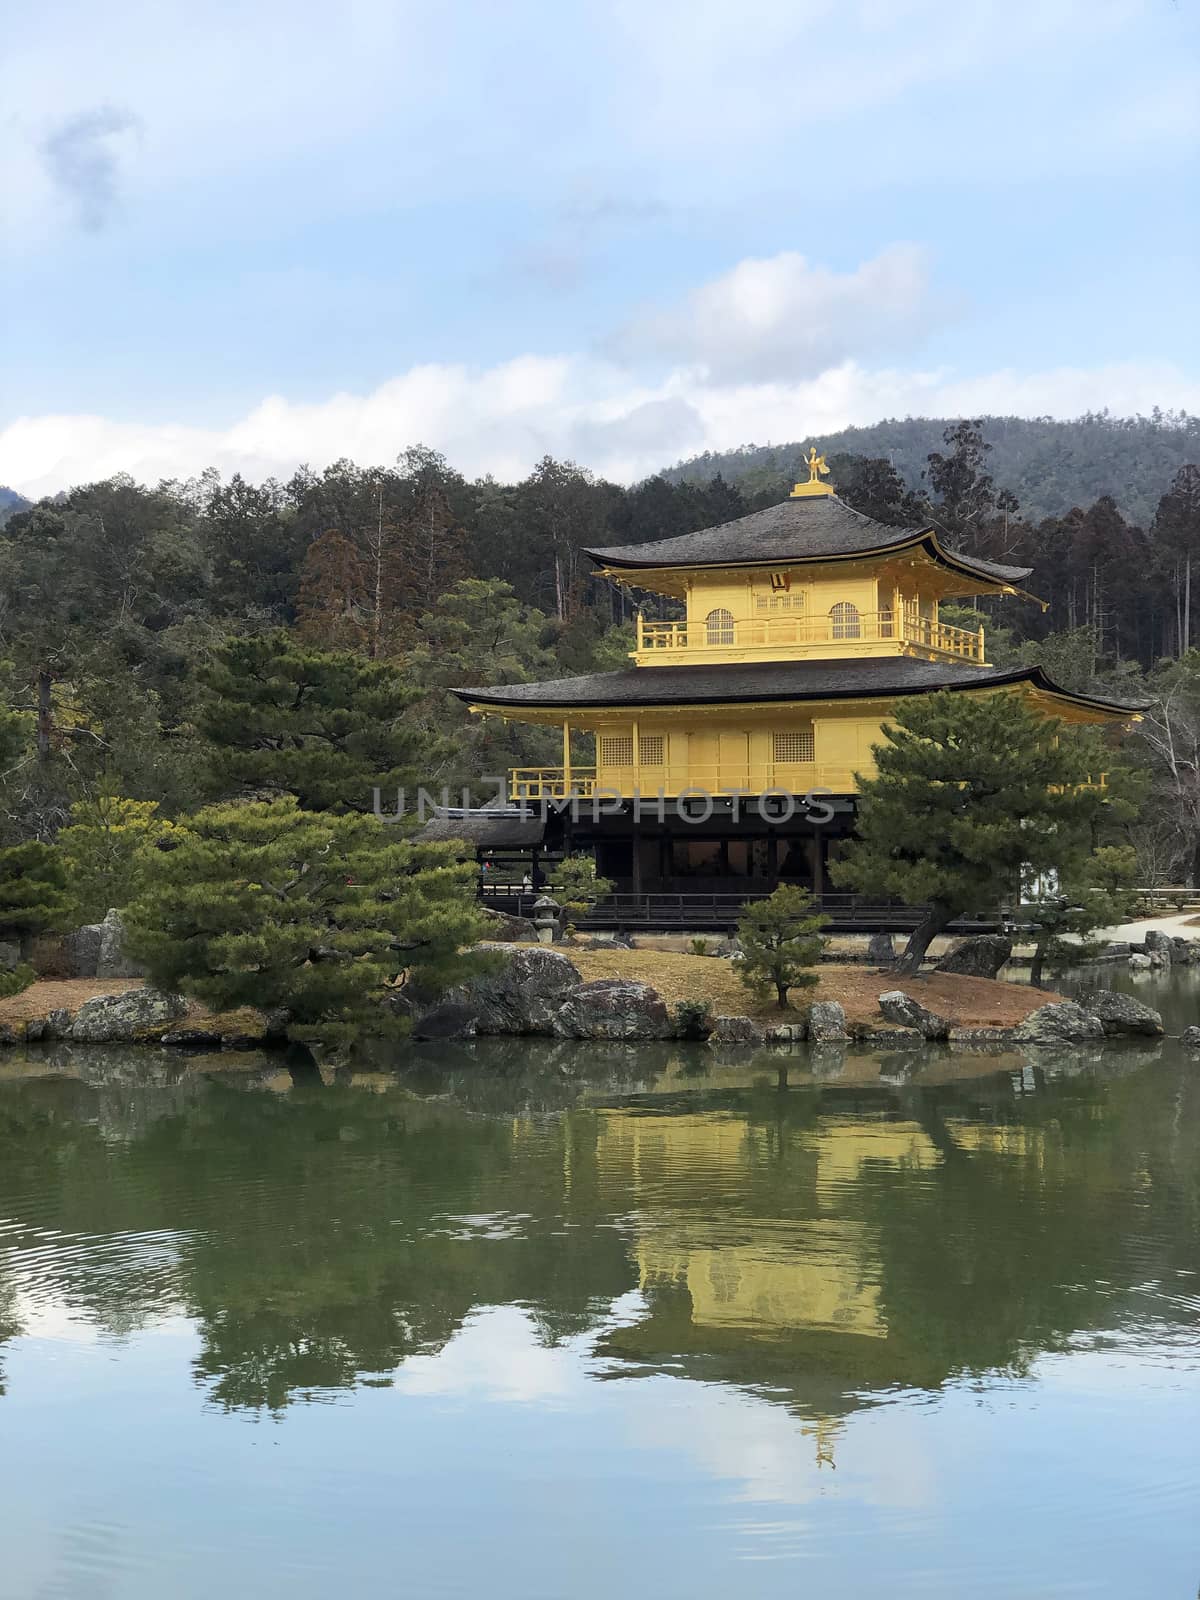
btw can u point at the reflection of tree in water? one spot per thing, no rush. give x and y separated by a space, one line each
814 1242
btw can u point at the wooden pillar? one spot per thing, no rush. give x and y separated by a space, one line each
637 758
566 761
772 856
818 861
637 857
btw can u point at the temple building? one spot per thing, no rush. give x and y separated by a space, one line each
804 625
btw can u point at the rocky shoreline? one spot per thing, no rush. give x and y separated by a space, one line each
538 991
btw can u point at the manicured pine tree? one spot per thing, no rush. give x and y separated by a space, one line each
103 851
265 905
970 789
781 940
327 727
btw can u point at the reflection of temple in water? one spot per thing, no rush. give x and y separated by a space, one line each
735 1289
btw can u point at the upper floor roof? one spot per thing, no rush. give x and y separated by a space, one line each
799 530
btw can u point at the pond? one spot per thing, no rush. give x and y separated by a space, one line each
559 1320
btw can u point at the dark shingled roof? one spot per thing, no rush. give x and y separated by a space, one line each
509 829
767 680
808 528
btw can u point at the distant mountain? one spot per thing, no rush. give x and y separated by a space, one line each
1050 466
10 503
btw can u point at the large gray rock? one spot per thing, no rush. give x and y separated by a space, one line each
125 1018
1121 1013
1139 962
1063 1022
505 929
737 1030
978 957
1158 943
613 1008
895 1038
54 1025
826 1022
905 1012
523 992
1190 1037
784 1032
448 1021
10 955
975 1037
881 950
83 950
111 960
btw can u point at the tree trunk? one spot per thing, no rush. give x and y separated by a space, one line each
781 994
1196 865
922 936
45 713
1036 967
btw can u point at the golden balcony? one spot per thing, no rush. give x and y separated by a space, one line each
551 783
843 631
728 778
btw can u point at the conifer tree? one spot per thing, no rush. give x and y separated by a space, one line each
1093 891
781 940
325 726
32 891
969 790
266 905
332 605
103 852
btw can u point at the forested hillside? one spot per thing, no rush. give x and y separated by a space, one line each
118 602
1049 466
10 503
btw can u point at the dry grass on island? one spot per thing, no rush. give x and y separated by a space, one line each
68 994
964 1002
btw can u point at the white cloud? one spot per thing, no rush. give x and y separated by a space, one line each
502 419
783 316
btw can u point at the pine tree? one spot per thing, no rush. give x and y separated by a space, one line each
969 790
781 940
32 891
1093 891
104 851
327 727
267 905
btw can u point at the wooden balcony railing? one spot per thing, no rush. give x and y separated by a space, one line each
837 634
551 783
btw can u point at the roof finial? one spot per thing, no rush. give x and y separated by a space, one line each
817 470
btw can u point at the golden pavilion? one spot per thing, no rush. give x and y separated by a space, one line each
804 624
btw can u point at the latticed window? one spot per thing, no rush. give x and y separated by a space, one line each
616 749
651 749
719 624
845 619
792 745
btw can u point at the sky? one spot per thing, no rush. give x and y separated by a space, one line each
621 231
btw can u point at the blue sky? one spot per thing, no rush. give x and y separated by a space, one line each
623 230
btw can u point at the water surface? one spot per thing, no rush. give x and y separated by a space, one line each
522 1320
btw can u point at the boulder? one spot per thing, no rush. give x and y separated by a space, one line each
1117 947
54 1025
613 1008
1190 1038
784 1032
1157 941
111 960
522 994
125 1018
10 955
8 1035
881 950
1185 951
447 1021
191 1039
505 929
1139 962
980 1036
83 950
1063 1022
826 1022
737 1030
895 1038
1121 1013
979 957
905 1012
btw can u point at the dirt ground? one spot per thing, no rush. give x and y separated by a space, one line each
57 994
964 1002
